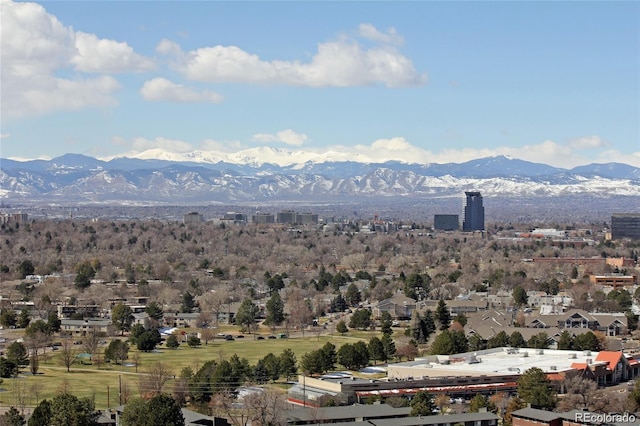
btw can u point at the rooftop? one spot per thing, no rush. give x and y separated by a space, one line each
499 361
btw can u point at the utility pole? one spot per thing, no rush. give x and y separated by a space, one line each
108 399
119 389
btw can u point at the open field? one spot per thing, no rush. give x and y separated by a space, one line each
86 380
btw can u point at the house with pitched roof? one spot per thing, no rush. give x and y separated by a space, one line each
399 307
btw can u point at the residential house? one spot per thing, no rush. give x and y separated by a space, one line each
611 324
399 306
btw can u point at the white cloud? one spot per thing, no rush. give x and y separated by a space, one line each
546 152
339 63
168 47
165 144
370 32
107 56
221 146
614 156
588 142
36 50
118 141
5 136
161 89
287 136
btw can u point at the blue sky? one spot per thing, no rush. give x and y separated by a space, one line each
551 82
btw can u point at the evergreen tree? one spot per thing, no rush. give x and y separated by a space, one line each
148 340
341 327
376 349
41 414
417 327
516 340
587 342
499 340
117 351
275 310
8 317
360 319
155 311
122 317
288 364
272 365
193 341
442 315
161 410
246 315
69 410
329 356
386 323
422 404
520 296
428 324
389 347
188 302
353 295
13 418
53 322
450 342
172 342
24 319
477 343
539 341
535 388
84 274
565 342
17 354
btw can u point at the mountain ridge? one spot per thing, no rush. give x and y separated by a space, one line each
84 179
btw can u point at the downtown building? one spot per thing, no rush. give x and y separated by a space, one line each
625 225
473 212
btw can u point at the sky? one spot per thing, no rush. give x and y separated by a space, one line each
416 81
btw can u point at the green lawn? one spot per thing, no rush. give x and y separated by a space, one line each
103 384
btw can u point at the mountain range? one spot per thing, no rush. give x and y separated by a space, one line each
195 178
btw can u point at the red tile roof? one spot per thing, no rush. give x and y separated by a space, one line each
610 357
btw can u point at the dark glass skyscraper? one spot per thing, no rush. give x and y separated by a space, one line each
473 212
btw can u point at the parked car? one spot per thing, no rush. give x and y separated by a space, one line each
272 337
229 337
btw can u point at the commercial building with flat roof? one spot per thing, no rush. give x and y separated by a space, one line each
606 367
625 225
446 222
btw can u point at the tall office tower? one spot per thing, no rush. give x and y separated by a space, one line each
473 212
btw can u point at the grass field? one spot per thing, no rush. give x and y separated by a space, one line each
86 380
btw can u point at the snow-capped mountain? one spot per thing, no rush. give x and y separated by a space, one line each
271 174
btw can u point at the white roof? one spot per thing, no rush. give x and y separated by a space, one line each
498 361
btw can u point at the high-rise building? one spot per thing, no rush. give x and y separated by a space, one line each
192 217
473 212
286 216
263 218
625 225
446 222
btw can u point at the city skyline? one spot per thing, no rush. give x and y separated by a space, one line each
423 82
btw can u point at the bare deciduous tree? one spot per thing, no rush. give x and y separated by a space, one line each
152 382
68 354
